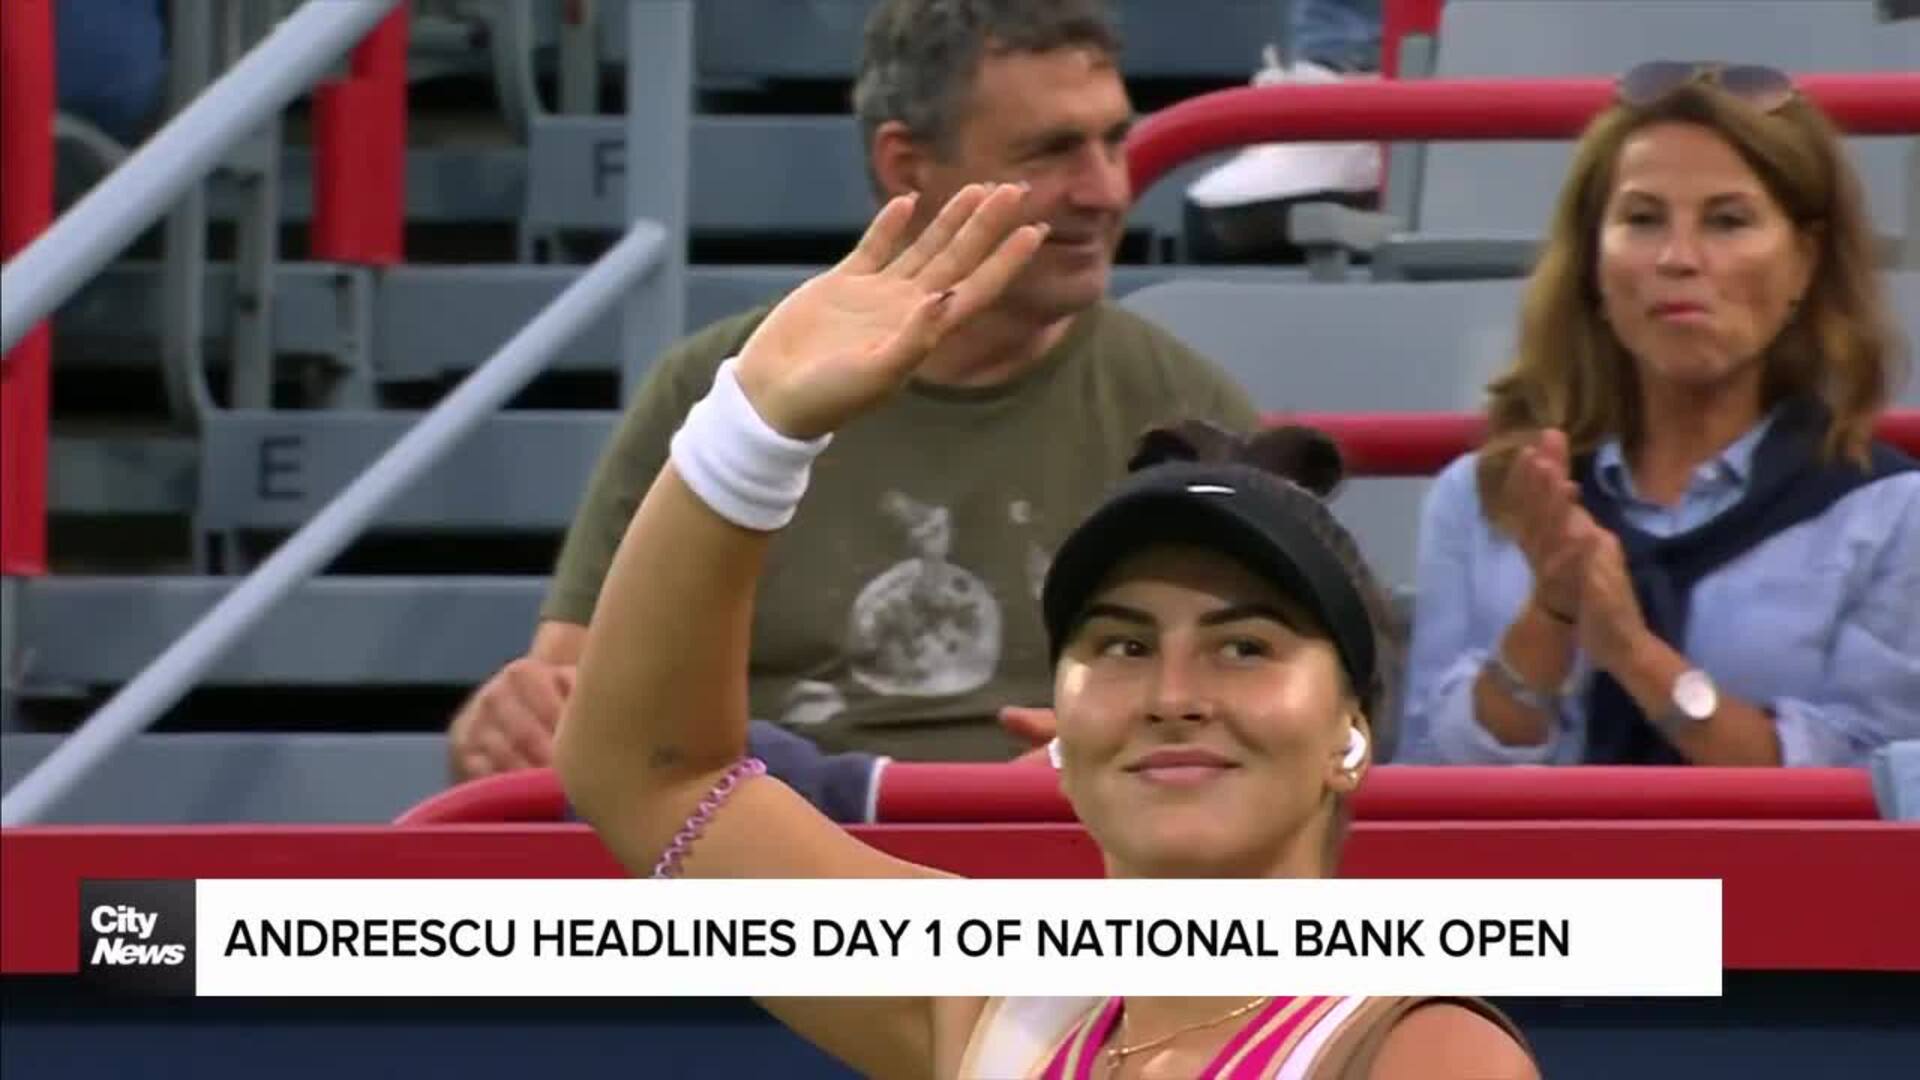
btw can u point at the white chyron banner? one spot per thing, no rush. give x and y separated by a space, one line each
687 938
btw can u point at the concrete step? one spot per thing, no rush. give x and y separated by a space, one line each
228 778
430 322
81 633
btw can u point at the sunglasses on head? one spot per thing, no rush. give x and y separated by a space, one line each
1763 88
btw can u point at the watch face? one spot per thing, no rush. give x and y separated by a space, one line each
1694 695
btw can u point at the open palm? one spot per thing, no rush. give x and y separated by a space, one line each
850 336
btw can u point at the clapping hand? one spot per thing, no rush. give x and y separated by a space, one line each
1549 525
1611 622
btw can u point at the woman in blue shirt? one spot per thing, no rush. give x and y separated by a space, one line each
1680 542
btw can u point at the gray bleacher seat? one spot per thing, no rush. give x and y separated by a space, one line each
1903 293
569 180
1295 346
117 315
806 173
754 40
1458 201
1355 348
1388 347
335 778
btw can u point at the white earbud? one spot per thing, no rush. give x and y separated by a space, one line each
1356 750
1053 752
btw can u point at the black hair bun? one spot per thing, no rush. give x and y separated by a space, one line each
1303 455
1188 440
1307 456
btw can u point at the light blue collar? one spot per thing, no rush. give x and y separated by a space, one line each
1731 466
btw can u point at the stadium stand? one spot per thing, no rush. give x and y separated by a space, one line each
447 584
1465 226
1441 219
356 347
222 379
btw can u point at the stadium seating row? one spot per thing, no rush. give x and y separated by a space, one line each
1298 345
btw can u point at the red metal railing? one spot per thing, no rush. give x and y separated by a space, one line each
360 153
1452 109
1421 444
26 209
920 792
926 793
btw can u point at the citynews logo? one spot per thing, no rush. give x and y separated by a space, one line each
124 920
137 936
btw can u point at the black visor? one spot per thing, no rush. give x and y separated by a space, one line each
1240 511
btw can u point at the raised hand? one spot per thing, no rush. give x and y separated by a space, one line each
1550 526
849 337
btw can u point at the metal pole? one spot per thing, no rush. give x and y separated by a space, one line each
659 158
10 674
1910 242
317 542
134 195
183 281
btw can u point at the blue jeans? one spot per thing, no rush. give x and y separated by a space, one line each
110 63
1340 34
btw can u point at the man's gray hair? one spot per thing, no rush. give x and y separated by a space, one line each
920 55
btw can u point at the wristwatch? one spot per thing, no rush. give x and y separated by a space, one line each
1693 700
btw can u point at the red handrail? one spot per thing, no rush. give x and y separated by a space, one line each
26 209
930 793
360 153
1421 444
526 795
971 793
1452 109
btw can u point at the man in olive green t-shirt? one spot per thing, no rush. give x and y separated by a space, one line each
899 611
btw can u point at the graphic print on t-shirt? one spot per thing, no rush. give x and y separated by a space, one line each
924 627
1020 514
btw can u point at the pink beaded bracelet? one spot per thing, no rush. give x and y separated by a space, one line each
669 864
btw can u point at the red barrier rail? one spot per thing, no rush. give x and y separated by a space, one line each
1421 444
1452 109
1808 896
26 209
531 796
927 792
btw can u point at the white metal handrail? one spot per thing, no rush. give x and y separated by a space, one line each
285 64
322 538
651 247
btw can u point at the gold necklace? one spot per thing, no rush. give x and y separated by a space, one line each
1119 1054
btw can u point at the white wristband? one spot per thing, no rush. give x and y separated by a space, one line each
737 463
